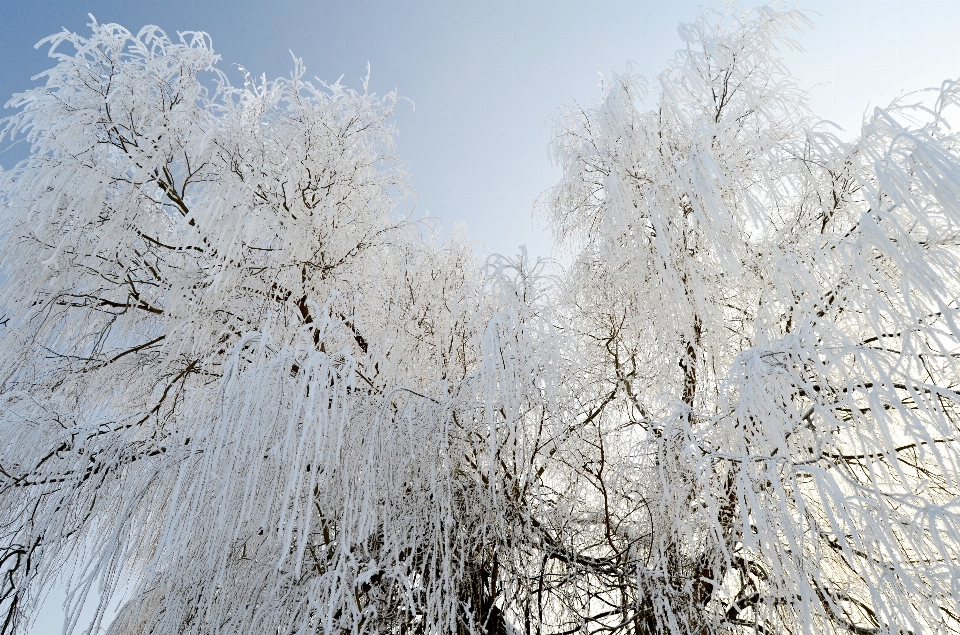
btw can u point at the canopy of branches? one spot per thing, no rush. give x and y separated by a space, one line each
241 393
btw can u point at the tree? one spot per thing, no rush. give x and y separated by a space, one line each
203 274
773 314
240 388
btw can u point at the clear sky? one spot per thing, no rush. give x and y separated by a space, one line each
485 76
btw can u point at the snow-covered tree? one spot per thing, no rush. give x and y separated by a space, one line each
241 393
226 360
771 317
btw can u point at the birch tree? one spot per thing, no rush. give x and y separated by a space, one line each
241 392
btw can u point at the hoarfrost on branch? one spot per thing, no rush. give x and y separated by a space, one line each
243 392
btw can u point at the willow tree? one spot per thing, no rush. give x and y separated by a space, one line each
228 361
242 393
771 317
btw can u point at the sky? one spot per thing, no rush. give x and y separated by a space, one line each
484 77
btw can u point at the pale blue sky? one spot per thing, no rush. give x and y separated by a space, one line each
485 76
